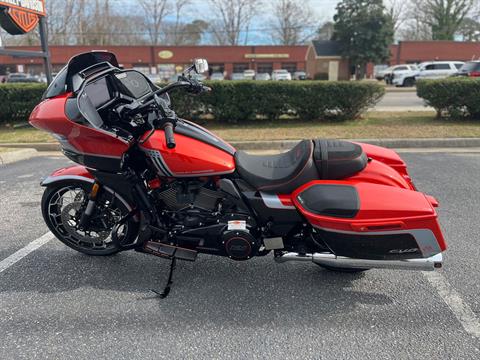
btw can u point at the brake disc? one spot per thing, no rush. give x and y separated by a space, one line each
70 219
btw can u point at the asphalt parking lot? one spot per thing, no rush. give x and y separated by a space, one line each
56 303
401 101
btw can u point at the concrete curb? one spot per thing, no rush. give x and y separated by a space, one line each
288 144
17 155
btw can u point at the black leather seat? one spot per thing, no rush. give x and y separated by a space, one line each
337 159
308 160
280 173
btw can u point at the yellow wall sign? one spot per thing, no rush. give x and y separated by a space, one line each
267 56
165 54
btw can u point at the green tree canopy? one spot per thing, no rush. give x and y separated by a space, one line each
364 31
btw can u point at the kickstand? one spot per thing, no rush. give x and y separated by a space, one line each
166 290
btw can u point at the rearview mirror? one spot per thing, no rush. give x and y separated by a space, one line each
201 65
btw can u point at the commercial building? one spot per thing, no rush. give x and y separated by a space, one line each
167 60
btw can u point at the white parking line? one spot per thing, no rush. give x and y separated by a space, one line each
460 309
20 254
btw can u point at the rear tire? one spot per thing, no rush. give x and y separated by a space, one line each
409 82
62 205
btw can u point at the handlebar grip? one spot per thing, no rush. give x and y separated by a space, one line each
169 136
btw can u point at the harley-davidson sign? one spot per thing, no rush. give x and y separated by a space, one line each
20 16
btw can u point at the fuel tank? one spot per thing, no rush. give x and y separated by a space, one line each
197 153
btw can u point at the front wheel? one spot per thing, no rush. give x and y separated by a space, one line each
62 207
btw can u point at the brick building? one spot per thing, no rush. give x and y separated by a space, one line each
166 60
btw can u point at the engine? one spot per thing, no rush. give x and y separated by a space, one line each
200 216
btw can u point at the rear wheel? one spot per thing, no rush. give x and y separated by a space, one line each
409 82
62 207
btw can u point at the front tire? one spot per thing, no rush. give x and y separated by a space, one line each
63 204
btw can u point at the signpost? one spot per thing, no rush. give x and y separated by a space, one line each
19 17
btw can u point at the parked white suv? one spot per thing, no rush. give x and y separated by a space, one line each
387 74
427 70
281 74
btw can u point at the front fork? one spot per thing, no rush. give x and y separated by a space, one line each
92 199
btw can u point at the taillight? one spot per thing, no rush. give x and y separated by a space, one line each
474 74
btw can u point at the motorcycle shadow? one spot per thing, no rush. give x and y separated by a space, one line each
212 288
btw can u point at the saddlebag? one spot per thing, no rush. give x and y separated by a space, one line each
371 221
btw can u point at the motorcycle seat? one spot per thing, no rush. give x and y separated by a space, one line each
337 159
281 173
306 161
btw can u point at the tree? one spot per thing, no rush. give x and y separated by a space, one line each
445 16
154 14
470 29
397 9
325 32
364 31
232 16
292 21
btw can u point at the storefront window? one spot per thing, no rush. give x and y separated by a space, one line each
240 67
290 67
264 68
216 68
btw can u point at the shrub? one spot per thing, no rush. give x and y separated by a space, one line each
236 101
452 97
18 100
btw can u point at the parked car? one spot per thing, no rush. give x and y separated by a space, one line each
389 73
281 74
263 76
238 76
427 70
218 76
470 68
199 77
20 78
300 75
249 74
379 71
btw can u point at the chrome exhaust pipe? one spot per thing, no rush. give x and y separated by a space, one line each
423 264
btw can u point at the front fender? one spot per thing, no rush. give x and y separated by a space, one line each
74 172
81 173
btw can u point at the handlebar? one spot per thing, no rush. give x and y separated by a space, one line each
169 136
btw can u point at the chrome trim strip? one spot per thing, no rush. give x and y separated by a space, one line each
272 201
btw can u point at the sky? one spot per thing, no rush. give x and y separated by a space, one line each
323 10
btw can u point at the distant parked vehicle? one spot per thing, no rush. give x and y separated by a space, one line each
300 75
470 69
217 76
281 74
263 76
199 77
427 70
20 78
249 74
379 71
389 73
238 76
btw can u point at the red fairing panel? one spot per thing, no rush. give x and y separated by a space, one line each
381 209
190 157
50 116
377 172
386 156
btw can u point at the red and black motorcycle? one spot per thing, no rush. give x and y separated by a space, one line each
152 182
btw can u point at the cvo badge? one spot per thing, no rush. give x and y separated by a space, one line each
20 16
